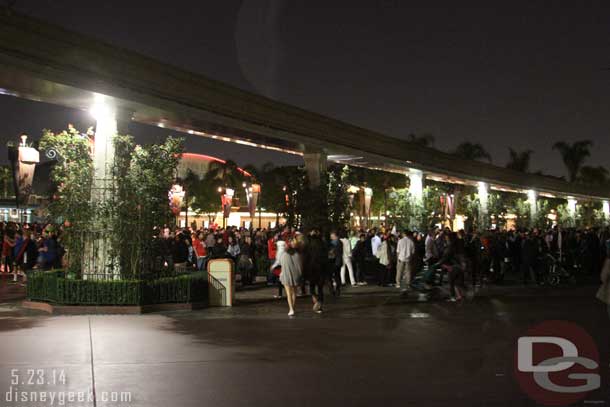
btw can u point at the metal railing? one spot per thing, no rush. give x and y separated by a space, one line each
218 292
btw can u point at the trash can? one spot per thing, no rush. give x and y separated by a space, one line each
221 281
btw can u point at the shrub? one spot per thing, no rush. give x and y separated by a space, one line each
55 287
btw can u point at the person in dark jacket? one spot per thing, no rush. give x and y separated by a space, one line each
47 253
529 258
335 261
245 261
452 260
180 251
28 252
359 256
314 261
219 250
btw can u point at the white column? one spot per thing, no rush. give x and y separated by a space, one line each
103 155
416 185
483 194
416 196
572 207
532 200
97 245
606 210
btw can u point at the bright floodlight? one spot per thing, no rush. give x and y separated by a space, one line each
532 199
531 195
483 194
482 191
416 184
101 109
572 206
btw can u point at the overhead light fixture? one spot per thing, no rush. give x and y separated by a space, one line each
101 109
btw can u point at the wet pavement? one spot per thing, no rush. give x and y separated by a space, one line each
372 346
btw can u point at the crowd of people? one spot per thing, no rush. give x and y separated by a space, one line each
298 262
29 246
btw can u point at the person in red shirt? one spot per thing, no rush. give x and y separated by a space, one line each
271 248
200 250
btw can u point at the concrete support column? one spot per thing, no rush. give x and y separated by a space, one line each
416 195
572 207
103 157
606 211
97 256
315 165
416 185
532 200
483 194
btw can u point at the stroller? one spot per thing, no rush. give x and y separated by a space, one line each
556 272
428 283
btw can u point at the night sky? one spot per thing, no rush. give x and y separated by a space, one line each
522 75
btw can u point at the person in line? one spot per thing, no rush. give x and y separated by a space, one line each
271 254
375 243
431 254
260 255
233 248
450 262
529 258
383 254
180 252
245 262
8 244
474 253
280 248
16 249
26 258
210 240
347 262
218 250
390 276
200 251
359 257
291 275
406 250
314 260
47 253
335 261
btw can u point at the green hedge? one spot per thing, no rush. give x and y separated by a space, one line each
55 287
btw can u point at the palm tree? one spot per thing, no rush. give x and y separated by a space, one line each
226 172
6 175
267 167
426 140
191 183
590 175
253 171
573 155
472 151
519 161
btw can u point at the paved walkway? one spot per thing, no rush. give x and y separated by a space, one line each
371 347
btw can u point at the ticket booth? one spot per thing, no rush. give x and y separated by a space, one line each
221 283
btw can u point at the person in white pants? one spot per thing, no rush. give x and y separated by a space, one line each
405 250
347 262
